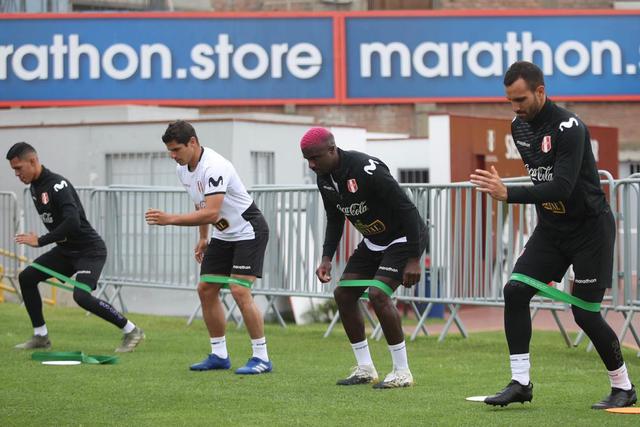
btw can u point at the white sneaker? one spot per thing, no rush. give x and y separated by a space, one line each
361 374
396 378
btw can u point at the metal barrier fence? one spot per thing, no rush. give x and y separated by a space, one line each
628 247
9 226
473 245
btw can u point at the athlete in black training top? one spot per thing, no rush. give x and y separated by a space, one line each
576 227
79 249
359 187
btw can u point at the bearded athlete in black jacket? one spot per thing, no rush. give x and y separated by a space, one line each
576 227
359 187
79 249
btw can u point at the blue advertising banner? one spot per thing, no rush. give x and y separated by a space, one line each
313 58
199 59
465 57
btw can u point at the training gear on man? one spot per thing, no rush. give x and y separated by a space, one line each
361 374
617 399
396 379
363 191
255 366
131 340
512 393
212 362
36 341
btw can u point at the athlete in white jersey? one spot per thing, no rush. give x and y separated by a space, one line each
234 256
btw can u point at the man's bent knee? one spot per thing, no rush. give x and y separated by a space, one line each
377 297
208 290
517 293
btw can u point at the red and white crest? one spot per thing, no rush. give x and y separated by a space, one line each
200 187
45 198
352 185
546 144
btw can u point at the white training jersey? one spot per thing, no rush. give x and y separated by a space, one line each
216 175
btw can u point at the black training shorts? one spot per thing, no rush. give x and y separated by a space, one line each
548 255
86 265
387 263
244 257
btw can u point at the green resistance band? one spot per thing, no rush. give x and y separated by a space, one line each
78 356
225 281
366 284
62 277
556 294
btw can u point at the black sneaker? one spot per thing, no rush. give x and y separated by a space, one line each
513 392
618 398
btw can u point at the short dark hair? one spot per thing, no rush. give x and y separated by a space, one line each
179 131
20 149
527 71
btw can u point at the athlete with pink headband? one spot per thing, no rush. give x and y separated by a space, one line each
359 187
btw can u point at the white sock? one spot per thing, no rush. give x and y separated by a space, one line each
520 366
620 378
361 351
41 330
219 347
399 356
128 327
259 346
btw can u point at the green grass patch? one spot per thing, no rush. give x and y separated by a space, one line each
153 386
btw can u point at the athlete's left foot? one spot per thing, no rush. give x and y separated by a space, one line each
617 399
255 365
396 379
131 340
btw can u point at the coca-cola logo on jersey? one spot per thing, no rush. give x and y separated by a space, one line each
354 209
541 173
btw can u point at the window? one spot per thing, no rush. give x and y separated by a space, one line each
263 166
141 169
634 168
414 176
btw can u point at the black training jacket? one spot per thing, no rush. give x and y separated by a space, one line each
556 149
373 202
61 212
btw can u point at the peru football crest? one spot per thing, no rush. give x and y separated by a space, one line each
45 198
352 185
546 144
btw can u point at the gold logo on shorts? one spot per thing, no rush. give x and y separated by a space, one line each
555 207
376 227
222 225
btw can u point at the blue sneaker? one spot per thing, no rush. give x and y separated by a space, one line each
255 366
212 362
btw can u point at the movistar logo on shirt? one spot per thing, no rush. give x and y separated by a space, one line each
215 183
568 124
370 167
59 186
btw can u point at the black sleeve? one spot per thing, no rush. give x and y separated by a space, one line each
565 171
388 190
335 225
63 202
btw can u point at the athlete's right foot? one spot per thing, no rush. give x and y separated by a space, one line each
513 392
212 362
362 374
617 399
36 341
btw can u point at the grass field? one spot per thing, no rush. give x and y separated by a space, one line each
154 387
